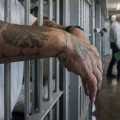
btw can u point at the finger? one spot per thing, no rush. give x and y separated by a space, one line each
85 86
98 60
92 85
99 65
98 76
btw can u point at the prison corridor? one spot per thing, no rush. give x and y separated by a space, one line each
108 104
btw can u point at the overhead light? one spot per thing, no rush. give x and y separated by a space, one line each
118 6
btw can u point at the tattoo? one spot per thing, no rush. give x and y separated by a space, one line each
63 47
80 48
25 36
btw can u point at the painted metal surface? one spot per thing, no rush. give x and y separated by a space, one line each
7 69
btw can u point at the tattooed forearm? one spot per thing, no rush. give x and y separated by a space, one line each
25 36
18 41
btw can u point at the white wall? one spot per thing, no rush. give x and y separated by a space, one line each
107 44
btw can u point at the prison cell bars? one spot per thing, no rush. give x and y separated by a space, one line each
37 72
7 69
53 98
27 68
66 74
50 61
80 109
57 65
40 63
75 82
50 104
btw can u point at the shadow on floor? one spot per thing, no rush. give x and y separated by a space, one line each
108 103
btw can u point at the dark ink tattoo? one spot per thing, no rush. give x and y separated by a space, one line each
80 48
25 37
64 46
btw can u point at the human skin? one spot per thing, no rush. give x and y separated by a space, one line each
18 42
83 37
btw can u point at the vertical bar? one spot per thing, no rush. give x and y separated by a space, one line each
7 91
27 68
27 90
50 115
50 67
7 9
57 62
57 11
81 17
27 11
40 85
50 79
40 62
33 85
84 13
7 69
50 10
66 21
98 25
57 110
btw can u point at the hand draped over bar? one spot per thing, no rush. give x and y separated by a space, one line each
74 50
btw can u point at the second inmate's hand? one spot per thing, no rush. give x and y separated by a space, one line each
83 59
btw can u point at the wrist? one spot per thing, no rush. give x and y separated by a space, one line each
70 28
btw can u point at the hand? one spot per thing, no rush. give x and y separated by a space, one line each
83 59
80 33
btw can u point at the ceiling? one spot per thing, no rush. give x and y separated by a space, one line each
112 4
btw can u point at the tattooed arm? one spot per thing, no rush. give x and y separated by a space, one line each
74 31
28 42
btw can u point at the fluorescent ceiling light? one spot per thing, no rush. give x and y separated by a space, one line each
118 6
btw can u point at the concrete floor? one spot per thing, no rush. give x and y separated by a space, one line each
108 102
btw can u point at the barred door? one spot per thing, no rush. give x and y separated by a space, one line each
52 101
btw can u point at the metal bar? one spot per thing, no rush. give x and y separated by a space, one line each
57 110
66 21
50 62
27 11
40 62
57 62
7 91
57 11
7 69
27 90
33 85
50 67
57 76
50 11
40 12
7 9
51 114
50 79
40 85
81 16
84 14
27 68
